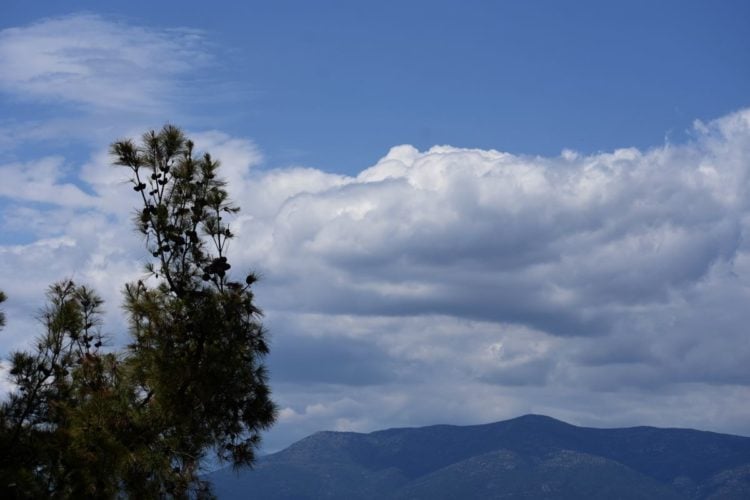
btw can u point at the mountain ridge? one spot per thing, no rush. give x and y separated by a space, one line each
531 456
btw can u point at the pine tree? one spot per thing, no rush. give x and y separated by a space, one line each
85 421
198 343
59 427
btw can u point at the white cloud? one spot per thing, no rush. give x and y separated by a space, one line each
98 63
42 181
617 273
237 157
457 285
568 246
5 384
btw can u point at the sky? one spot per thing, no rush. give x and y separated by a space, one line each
462 211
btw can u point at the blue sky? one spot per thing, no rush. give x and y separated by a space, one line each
335 84
462 211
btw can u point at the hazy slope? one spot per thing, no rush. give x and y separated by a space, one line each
527 457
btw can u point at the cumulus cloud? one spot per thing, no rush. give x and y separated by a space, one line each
94 62
565 245
458 285
616 273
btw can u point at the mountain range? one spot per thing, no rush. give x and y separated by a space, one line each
528 457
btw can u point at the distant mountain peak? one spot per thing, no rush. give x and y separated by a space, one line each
512 458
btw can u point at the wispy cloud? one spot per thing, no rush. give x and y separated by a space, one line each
94 62
42 181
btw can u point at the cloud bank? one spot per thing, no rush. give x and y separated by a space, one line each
617 273
468 285
442 286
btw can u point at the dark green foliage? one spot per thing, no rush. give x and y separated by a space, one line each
197 342
59 427
85 423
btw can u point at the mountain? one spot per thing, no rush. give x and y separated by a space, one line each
527 457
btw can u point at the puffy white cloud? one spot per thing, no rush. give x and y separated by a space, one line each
566 245
622 273
456 285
